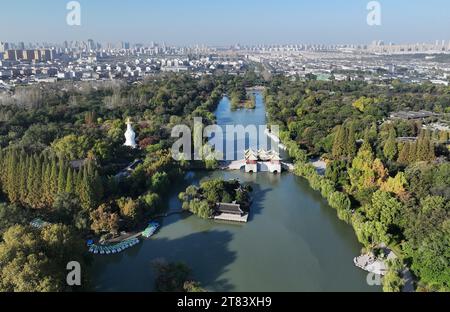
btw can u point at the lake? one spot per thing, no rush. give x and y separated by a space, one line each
292 242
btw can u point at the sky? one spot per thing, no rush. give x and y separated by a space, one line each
226 22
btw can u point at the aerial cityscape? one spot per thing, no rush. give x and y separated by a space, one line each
134 159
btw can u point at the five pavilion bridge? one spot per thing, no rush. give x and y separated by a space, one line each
260 161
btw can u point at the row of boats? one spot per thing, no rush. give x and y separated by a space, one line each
117 248
113 249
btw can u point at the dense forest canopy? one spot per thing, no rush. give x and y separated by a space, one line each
391 190
61 149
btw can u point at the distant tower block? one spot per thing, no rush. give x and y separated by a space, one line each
130 136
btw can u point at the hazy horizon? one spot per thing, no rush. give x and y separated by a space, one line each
226 23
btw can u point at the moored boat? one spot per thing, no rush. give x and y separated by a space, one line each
150 230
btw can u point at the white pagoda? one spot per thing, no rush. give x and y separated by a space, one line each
130 135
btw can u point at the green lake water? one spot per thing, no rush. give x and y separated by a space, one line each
292 242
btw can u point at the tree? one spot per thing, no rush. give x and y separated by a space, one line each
47 196
66 206
336 171
160 182
11 215
53 189
339 145
362 175
424 149
403 157
390 146
395 185
193 287
174 277
412 157
90 188
62 177
150 202
362 103
71 147
104 220
70 187
130 210
444 137
351 142
200 208
34 184
339 201
384 212
430 259
35 260
392 281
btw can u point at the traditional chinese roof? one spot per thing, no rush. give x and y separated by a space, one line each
262 155
229 208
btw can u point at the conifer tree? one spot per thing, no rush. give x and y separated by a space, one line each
22 172
412 157
78 181
46 183
53 181
390 146
339 145
84 193
69 182
97 185
351 142
36 190
431 152
61 177
403 157
12 178
422 147
30 182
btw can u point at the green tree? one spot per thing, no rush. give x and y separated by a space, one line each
390 146
339 201
104 220
130 210
392 281
62 177
351 142
339 145
70 187
35 260
404 155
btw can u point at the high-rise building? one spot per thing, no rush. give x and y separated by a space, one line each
91 45
37 55
4 46
10 55
28 55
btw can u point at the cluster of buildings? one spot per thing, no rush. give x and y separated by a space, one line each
23 64
80 63
391 48
357 65
429 120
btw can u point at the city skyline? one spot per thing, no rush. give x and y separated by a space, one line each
222 24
